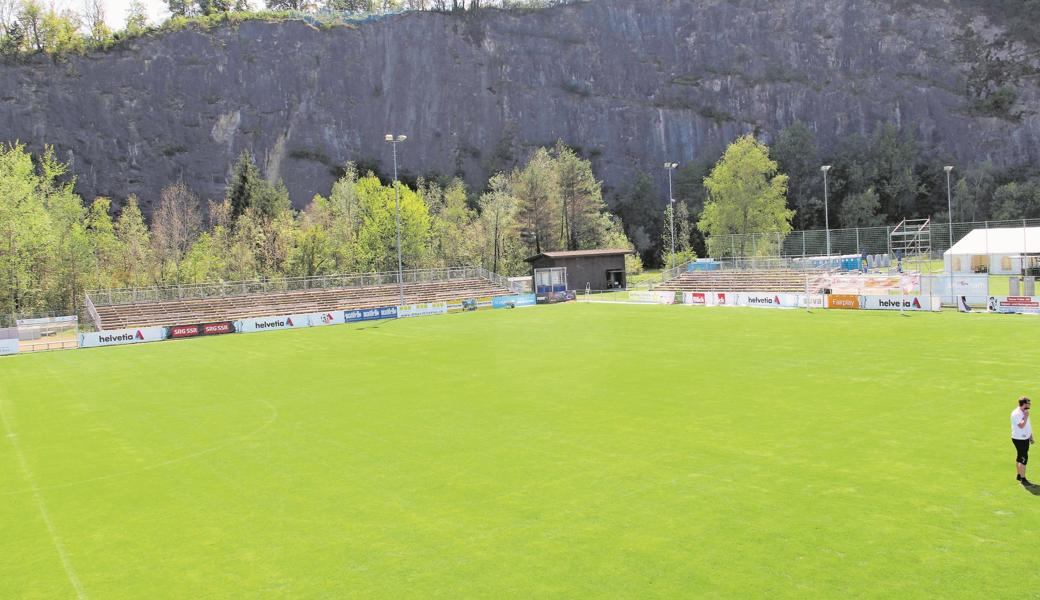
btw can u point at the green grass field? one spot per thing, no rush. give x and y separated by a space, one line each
567 451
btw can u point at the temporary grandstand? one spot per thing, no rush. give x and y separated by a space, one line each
229 301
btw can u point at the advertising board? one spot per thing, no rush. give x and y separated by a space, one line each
182 331
334 317
652 297
767 300
422 310
9 346
697 298
812 301
370 314
550 298
909 303
843 301
117 337
514 301
220 328
724 299
1014 304
187 331
272 323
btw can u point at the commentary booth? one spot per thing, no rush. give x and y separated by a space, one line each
579 270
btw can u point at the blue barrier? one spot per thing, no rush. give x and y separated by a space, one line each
370 314
513 301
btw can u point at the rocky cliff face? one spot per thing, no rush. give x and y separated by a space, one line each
631 82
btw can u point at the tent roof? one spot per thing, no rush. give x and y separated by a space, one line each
1008 240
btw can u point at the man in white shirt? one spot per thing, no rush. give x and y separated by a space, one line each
1021 437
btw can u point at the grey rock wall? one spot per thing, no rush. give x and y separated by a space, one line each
632 83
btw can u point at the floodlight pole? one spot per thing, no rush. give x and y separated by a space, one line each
670 166
949 210
393 141
826 215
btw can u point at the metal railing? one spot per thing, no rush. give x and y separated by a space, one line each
286 284
92 312
857 240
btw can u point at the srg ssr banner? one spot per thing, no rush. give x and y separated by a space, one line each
118 337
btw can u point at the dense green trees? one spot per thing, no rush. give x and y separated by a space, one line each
55 247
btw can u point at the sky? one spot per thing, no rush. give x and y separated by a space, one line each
115 10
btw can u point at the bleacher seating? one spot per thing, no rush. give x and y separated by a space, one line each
230 308
780 280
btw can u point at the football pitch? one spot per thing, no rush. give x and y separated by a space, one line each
565 451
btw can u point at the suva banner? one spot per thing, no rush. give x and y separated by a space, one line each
422 310
370 314
332 317
273 323
117 337
909 303
8 346
1014 304
513 301
767 300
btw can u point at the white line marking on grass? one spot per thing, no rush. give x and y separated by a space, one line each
51 529
158 465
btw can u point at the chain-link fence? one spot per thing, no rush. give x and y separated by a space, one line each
857 241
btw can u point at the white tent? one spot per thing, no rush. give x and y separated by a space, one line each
996 251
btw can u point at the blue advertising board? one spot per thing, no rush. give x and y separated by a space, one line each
513 301
370 314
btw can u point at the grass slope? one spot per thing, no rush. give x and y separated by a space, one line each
564 451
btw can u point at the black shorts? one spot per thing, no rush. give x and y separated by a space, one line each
1022 447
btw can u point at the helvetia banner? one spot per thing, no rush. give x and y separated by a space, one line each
370 314
1014 304
767 300
273 323
422 310
118 337
909 303
334 317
